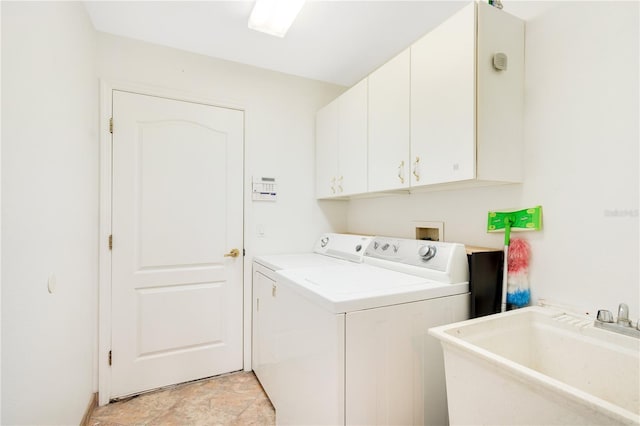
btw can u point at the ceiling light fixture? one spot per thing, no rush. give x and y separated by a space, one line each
274 17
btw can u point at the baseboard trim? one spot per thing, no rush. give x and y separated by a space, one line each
93 403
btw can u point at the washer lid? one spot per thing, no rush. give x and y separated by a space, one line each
353 287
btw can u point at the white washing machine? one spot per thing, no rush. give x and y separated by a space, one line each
331 249
350 344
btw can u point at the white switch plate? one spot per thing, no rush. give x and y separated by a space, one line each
51 283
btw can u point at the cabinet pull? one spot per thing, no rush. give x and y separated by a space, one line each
416 171
401 171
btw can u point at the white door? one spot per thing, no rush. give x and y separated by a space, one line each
177 210
327 151
443 101
388 157
352 140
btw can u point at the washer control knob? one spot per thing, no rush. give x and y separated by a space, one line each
427 252
324 242
386 246
396 247
358 248
375 245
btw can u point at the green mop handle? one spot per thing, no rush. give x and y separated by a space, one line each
505 269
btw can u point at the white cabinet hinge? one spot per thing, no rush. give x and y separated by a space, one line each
110 358
110 242
111 125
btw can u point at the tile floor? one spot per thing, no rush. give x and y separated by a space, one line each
232 399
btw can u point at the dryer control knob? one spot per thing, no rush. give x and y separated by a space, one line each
427 252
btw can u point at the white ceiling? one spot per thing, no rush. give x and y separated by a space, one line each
338 41
335 41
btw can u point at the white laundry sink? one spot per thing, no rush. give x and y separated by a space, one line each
539 365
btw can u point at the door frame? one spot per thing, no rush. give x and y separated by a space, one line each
104 253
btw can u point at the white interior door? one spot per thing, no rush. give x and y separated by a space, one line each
177 210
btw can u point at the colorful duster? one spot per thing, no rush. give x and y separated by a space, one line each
518 293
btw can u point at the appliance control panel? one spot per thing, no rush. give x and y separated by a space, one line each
343 246
433 255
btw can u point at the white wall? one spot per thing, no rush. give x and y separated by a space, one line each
49 211
581 162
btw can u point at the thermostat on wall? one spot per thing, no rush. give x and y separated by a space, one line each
264 189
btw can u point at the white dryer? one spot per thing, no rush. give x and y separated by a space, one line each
330 249
352 344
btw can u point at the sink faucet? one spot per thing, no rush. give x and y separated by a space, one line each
623 315
622 325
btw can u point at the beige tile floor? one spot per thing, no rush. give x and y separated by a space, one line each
232 399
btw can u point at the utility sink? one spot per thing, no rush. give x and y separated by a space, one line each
539 365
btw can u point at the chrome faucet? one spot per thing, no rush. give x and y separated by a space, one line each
622 325
623 315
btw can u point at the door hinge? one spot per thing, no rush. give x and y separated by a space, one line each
110 242
111 125
244 252
110 358
257 305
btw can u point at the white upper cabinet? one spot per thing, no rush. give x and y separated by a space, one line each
466 115
327 150
449 109
341 145
500 96
388 150
352 140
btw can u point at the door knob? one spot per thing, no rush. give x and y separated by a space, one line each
233 253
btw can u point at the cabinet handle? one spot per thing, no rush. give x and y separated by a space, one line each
401 171
416 171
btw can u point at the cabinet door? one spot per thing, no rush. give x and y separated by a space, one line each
389 89
352 140
265 335
327 150
443 101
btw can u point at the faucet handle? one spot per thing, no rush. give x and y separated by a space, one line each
604 316
623 315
